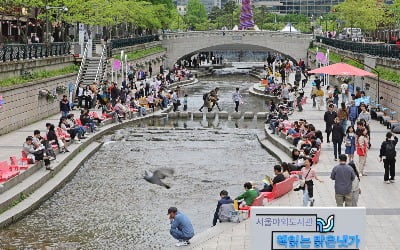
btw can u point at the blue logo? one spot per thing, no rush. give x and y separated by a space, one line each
326 226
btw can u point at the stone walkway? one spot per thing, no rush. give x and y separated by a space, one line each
381 200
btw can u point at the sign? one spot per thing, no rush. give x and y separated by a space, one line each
117 65
307 228
1 102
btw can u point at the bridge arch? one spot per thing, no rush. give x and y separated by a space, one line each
181 44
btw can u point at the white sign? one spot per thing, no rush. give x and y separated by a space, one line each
307 228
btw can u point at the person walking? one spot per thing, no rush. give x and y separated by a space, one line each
343 115
343 175
181 227
355 187
364 114
350 143
175 101
329 118
388 155
320 97
337 138
308 174
64 106
237 98
353 113
362 149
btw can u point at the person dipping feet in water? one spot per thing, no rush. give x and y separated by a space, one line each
181 227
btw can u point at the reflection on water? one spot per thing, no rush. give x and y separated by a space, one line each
107 205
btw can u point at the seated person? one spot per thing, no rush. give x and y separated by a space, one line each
86 120
247 198
181 227
120 108
268 186
110 112
54 139
285 170
35 153
63 124
73 124
297 161
38 141
224 207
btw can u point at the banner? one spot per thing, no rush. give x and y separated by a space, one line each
117 65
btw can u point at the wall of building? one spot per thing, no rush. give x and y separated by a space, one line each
16 68
23 106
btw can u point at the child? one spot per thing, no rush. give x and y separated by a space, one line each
350 143
185 101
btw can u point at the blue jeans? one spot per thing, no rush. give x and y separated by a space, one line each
337 148
179 235
64 113
306 198
343 123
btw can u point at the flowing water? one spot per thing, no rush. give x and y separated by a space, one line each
107 205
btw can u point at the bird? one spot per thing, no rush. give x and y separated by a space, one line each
158 175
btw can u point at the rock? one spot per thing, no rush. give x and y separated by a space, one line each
210 115
248 115
223 115
236 115
198 115
261 115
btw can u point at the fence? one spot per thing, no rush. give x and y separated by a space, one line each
125 42
381 50
13 52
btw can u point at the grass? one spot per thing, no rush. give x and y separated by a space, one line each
142 53
38 75
386 74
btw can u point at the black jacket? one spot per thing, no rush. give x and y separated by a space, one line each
383 146
337 133
64 106
329 118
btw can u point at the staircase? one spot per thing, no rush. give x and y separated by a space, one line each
89 70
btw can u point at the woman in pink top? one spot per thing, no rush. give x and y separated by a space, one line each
308 175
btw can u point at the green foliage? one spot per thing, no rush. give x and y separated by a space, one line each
37 75
142 53
388 74
196 15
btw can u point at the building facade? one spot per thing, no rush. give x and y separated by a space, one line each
305 7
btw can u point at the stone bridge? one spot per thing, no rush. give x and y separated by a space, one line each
214 115
181 44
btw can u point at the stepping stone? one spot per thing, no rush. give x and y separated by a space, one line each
210 115
173 115
236 115
262 115
198 115
184 114
248 115
223 115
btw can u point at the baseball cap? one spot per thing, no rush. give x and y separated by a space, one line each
172 210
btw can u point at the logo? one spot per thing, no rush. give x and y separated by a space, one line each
326 226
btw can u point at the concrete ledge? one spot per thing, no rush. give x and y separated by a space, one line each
184 114
278 142
210 115
197 115
173 115
236 115
261 115
223 115
248 115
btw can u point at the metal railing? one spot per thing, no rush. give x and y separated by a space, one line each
11 52
100 67
79 76
381 50
125 42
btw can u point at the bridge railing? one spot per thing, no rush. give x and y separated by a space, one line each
126 42
11 52
233 33
381 50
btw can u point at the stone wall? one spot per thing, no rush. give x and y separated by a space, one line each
136 47
389 91
16 68
23 106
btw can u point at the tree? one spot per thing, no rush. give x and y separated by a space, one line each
196 15
364 14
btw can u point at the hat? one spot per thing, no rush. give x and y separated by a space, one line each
172 210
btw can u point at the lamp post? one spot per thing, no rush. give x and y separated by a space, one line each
63 8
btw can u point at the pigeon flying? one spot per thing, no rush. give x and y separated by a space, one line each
158 175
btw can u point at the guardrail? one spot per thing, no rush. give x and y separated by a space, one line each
125 42
100 67
13 52
381 50
235 34
79 76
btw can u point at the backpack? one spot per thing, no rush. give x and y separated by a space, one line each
390 150
225 212
205 96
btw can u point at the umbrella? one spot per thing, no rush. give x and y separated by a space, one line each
341 69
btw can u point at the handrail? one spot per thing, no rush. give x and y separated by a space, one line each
79 76
100 66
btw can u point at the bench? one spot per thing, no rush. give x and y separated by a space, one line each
6 171
315 158
280 189
258 202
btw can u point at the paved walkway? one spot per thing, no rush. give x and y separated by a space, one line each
381 200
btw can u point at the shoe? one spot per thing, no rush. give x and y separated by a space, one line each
78 142
52 158
51 168
66 150
335 159
182 243
312 202
83 137
387 182
391 181
364 174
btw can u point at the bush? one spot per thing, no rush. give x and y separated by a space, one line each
37 75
